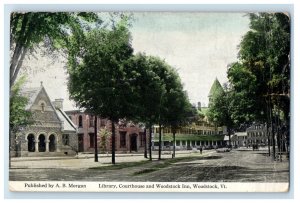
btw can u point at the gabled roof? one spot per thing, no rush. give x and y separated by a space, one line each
30 94
68 124
215 88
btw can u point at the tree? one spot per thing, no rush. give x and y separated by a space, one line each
28 30
248 105
264 55
148 90
19 116
99 81
221 110
178 111
265 51
104 138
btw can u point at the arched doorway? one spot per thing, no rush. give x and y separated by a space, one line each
30 141
52 144
133 142
42 144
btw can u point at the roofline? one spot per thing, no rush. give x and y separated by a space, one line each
73 111
67 118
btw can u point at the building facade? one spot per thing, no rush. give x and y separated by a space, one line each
129 136
52 132
196 135
239 139
257 135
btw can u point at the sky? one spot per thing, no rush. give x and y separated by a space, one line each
200 46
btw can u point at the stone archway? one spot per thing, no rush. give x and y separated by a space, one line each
42 143
133 142
31 143
52 143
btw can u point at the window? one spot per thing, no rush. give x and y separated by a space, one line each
65 139
43 107
102 122
122 139
92 140
80 121
142 139
91 121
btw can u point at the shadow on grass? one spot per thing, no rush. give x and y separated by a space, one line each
121 165
154 164
210 157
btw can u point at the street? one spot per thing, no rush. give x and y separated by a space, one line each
242 165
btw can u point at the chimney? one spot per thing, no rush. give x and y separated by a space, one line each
199 106
58 103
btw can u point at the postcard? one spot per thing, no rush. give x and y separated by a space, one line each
149 102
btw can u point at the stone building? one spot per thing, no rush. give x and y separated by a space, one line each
129 136
52 132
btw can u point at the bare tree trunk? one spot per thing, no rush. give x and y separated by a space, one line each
150 142
113 143
229 136
159 143
18 67
268 134
95 139
272 134
145 143
16 61
174 142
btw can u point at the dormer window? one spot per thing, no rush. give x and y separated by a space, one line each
43 107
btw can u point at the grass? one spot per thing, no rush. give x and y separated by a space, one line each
191 137
160 164
154 165
147 170
121 165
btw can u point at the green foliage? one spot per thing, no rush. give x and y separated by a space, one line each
248 105
99 83
263 74
104 139
18 116
29 29
221 108
98 80
147 87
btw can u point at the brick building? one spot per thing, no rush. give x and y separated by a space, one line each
129 136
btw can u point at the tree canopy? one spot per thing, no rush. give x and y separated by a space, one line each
263 71
29 29
18 115
99 83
